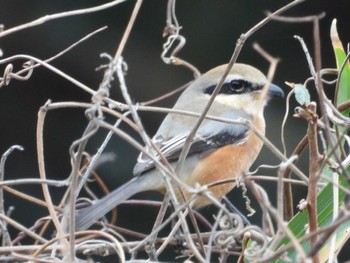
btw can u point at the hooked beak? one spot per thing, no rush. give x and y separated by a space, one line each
275 92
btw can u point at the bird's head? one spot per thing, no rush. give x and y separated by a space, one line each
242 88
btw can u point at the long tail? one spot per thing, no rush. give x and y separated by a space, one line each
86 217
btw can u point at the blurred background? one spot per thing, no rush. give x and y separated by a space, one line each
211 29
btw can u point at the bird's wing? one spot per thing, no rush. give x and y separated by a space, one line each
210 136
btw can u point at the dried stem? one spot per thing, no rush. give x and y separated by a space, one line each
315 160
42 173
47 18
3 229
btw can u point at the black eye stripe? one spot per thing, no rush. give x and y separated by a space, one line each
235 86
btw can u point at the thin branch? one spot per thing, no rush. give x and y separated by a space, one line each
281 224
20 227
315 160
57 183
27 197
3 229
47 18
42 173
169 94
304 19
29 67
52 68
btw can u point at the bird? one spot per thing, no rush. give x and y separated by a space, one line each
219 150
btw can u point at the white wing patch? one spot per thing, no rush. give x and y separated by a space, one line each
171 149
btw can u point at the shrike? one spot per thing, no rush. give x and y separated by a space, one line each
219 150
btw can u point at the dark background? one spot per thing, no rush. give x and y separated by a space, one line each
211 29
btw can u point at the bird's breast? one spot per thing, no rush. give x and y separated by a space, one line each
227 163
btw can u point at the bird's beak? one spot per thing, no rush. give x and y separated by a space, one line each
275 92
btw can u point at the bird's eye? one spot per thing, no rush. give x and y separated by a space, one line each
236 86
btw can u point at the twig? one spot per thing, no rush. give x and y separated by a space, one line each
324 233
271 72
53 69
285 118
97 98
169 94
170 51
328 232
280 186
315 160
282 226
28 197
57 183
20 227
314 157
76 156
212 236
278 154
42 173
162 167
288 212
315 73
3 229
142 132
160 217
117 247
272 179
8 74
165 222
47 18
304 19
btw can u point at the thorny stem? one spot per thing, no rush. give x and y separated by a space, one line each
315 160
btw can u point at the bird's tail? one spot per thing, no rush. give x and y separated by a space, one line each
86 217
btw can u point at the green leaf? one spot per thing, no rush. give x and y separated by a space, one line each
343 92
299 222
